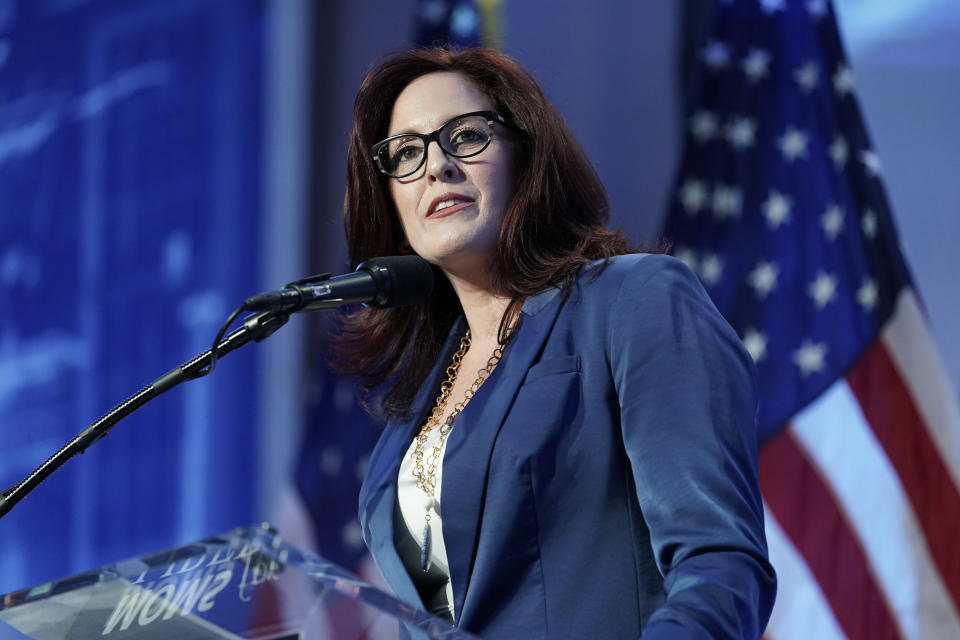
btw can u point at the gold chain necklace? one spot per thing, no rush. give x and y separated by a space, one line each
425 471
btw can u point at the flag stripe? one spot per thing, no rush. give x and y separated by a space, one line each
829 430
891 414
801 611
782 213
911 348
795 493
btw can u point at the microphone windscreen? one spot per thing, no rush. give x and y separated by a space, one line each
401 280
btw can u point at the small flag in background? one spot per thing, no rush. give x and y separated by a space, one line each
781 210
338 438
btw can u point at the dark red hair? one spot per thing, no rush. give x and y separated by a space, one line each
552 228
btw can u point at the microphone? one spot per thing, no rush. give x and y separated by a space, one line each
391 281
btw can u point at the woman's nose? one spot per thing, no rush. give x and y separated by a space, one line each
440 166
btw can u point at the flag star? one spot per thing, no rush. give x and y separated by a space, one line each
360 470
839 152
693 196
703 124
464 20
869 223
726 202
711 269
716 54
810 357
770 6
871 161
756 65
817 8
832 221
868 294
843 80
807 76
777 209
741 132
686 255
331 459
433 11
793 144
344 396
351 535
823 289
756 344
763 278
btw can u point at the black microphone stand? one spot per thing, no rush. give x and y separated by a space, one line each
255 327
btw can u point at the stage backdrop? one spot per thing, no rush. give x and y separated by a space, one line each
130 190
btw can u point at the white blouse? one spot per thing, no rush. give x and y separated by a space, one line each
434 585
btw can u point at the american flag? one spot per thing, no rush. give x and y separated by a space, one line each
781 211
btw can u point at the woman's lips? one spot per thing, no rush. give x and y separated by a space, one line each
443 213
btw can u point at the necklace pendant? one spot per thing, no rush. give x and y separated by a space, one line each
448 424
425 548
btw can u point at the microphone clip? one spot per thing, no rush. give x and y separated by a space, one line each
320 277
290 297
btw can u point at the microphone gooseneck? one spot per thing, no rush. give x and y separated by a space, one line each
380 282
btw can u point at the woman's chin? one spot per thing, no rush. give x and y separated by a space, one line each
463 264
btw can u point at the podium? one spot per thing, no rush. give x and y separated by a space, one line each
247 583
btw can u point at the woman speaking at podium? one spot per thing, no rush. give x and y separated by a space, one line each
570 449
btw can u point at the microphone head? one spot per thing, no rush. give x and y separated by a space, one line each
401 280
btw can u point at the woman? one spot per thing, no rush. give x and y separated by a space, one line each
570 450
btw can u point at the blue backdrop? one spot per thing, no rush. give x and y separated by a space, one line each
129 206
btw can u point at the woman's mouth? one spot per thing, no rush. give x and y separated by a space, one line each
448 205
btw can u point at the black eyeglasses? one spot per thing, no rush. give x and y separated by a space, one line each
461 137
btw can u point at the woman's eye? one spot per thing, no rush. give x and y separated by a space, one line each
406 153
467 136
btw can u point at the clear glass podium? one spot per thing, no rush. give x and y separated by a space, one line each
248 583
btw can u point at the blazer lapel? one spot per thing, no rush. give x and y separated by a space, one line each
377 513
378 503
470 445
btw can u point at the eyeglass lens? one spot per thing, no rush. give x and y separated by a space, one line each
461 138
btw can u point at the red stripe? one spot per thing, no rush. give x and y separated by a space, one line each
810 516
889 408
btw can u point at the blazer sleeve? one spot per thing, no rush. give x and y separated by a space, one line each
687 393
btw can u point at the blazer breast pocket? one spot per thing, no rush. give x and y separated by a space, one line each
552 366
547 407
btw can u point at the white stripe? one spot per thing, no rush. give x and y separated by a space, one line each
911 348
801 611
840 443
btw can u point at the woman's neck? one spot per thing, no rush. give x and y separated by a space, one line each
482 308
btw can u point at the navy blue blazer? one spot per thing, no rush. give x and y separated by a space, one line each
602 483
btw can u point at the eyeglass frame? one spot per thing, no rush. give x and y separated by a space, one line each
427 138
